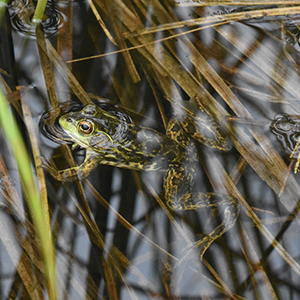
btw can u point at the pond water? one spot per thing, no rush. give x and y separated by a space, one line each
234 71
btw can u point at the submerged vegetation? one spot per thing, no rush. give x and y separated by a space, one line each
111 235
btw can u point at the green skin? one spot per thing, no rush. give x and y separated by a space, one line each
113 139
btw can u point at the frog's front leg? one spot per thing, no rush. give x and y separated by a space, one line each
74 173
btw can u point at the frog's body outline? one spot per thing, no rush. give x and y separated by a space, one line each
287 130
111 138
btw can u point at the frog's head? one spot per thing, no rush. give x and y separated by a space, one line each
97 130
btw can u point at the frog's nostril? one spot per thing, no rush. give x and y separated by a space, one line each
69 120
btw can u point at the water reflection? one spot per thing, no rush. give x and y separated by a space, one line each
21 13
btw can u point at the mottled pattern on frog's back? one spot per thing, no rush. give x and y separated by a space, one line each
157 150
146 149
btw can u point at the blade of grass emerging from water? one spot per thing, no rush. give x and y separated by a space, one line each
2 8
39 12
38 212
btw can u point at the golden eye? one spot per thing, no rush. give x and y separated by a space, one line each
85 127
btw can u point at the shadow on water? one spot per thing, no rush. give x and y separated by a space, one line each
233 70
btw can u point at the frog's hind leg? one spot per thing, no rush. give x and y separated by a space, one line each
180 177
228 209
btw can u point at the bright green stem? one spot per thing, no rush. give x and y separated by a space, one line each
15 141
2 8
39 12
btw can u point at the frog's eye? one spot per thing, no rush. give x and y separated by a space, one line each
85 127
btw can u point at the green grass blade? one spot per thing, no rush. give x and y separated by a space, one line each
2 8
33 198
39 12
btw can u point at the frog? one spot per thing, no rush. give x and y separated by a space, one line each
110 137
287 130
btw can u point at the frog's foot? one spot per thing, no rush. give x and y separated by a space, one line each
229 220
227 207
204 243
74 173
71 174
68 175
43 163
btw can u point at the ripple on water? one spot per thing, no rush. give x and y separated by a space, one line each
49 125
21 13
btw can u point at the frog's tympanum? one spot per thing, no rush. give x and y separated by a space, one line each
111 138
